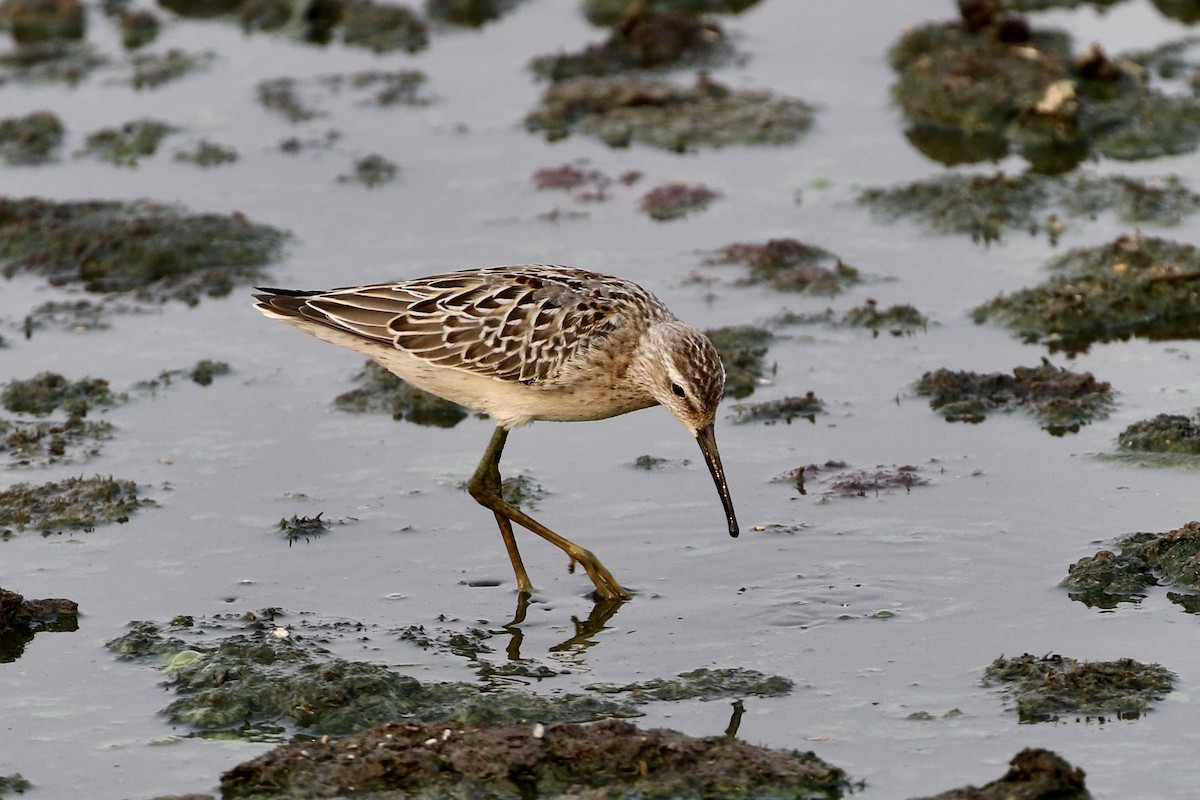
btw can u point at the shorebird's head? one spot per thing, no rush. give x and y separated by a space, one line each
687 377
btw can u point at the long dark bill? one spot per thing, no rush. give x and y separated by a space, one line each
707 439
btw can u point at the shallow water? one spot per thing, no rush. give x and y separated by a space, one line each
966 569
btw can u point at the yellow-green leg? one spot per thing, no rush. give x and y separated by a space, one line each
484 486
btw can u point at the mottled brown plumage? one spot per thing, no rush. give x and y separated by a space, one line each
525 343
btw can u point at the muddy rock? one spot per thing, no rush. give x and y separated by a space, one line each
610 759
1033 774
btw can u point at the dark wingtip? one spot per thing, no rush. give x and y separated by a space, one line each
733 531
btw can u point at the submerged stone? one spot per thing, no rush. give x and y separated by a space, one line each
789 265
1048 688
381 391
160 252
1063 401
644 39
620 110
1144 560
1133 286
75 504
1033 774
609 759
32 139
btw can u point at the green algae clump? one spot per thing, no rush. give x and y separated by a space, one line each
160 252
1048 688
1062 400
986 207
48 391
126 145
783 410
1165 433
73 504
32 139
1144 560
976 87
381 391
1133 286
620 110
743 350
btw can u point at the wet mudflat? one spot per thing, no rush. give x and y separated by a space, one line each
256 495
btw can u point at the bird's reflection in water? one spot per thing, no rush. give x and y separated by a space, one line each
585 630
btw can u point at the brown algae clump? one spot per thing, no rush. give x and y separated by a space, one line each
620 110
1165 433
73 504
789 266
1062 400
643 39
381 391
1133 286
524 759
1048 688
160 252
835 480
32 139
676 200
1144 560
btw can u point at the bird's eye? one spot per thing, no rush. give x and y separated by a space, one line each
678 390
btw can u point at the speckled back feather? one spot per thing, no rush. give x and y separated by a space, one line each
516 323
